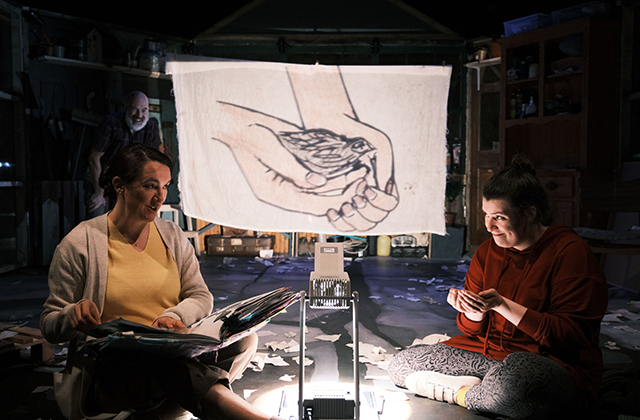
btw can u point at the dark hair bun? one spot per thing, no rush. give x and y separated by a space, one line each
524 164
518 185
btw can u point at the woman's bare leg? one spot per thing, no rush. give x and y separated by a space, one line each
222 403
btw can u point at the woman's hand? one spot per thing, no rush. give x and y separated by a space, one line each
513 312
466 301
169 323
474 306
85 316
491 298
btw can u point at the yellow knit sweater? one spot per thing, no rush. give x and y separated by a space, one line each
140 285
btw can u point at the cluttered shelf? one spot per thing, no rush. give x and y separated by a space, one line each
543 120
551 77
100 66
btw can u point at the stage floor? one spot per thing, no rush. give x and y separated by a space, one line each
401 300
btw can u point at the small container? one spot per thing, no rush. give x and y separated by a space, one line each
531 109
384 245
150 60
78 49
58 51
526 24
594 8
372 241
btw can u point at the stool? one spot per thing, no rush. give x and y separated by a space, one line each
190 229
166 208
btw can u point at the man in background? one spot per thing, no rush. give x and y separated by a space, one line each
116 131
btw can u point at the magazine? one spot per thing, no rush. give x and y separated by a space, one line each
217 330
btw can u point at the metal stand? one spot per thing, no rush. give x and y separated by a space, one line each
356 354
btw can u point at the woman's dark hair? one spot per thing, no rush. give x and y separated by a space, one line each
518 185
129 163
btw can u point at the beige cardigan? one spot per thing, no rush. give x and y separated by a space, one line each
78 271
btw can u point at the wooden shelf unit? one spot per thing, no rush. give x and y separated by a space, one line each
574 127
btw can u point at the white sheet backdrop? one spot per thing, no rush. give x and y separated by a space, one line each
311 148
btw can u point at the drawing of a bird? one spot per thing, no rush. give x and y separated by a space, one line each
325 152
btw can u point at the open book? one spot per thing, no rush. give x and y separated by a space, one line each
221 328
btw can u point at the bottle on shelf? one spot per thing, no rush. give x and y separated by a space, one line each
456 156
519 104
524 70
531 109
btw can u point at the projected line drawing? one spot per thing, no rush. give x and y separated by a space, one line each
328 153
331 165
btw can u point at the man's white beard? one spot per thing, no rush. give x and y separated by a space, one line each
135 127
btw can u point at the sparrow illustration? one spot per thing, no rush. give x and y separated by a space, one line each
325 152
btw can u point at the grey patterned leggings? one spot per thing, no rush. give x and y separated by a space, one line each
523 385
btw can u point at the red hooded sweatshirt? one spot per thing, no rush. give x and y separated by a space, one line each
561 284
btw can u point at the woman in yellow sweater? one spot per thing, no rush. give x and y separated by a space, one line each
131 264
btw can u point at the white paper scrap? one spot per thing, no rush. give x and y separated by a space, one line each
275 361
462 268
276 345
627 314
435 338
428 299
326 337
611 318
611 345
627 328
257 363
307 361
286 378
7 334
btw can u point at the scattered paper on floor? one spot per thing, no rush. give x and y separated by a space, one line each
281 345
275 361
435 338
611 318
326 337
611 345
257 363
307 361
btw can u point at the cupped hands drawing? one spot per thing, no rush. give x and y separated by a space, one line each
333 165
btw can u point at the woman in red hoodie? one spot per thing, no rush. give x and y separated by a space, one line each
530 312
